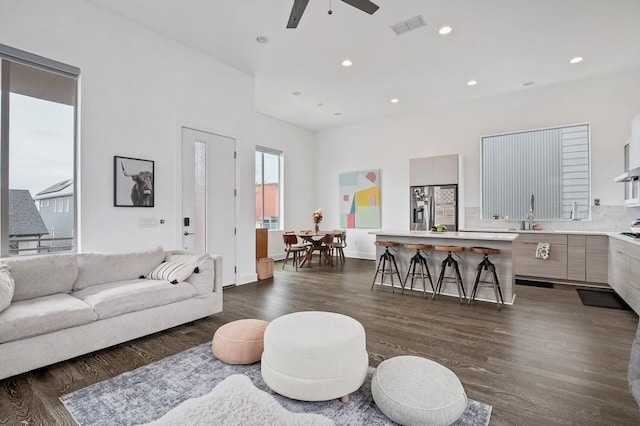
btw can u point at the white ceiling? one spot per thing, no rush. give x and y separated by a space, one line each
500 43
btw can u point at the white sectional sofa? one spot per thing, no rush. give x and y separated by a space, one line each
66 305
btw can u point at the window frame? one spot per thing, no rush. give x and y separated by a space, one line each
263 221
10 55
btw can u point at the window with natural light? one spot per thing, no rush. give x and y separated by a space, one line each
268 188
38 110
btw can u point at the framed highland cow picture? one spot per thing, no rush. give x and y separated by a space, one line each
133 182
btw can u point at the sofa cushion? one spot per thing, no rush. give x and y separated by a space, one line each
100 268
173 272
121 297
37 276
43 315
7 286
203 280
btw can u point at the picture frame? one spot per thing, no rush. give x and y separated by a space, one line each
133 182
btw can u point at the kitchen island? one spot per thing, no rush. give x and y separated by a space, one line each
467 261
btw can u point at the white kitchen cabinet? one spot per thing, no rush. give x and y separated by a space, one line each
634 146
439 170
624 271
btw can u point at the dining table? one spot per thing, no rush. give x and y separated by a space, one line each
315 239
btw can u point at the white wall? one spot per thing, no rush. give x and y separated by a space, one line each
136 88
607 103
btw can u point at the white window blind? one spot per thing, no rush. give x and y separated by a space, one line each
552 164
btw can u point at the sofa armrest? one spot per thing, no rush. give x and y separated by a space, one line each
209 276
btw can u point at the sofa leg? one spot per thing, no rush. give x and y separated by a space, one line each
344 399
272 392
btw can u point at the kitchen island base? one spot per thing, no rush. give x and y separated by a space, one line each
467 260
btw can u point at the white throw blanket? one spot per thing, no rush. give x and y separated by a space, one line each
542 251
236 401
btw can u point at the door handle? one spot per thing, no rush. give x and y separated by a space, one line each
189 233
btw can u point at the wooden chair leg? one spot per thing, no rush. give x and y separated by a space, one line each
344 399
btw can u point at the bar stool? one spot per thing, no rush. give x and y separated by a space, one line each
487 266
418 259
382 268
450 261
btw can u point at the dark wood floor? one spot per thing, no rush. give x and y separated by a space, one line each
547 360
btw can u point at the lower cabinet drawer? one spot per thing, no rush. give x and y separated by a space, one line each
528 265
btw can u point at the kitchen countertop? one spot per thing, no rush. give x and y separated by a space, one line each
619 236
542 231
462 235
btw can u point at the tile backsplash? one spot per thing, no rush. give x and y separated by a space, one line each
603 218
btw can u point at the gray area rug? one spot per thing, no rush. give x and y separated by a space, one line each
147 393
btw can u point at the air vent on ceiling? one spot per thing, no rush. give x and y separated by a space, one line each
408 25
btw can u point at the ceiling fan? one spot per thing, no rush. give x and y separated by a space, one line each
300 5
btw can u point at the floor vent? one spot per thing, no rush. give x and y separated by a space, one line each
408 25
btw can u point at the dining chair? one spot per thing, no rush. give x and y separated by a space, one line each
291 246
324 247
339 244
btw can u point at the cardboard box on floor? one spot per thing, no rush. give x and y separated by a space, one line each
264 268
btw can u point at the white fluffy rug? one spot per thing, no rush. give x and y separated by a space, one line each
236 401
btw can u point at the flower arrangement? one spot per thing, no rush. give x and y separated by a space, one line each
317 218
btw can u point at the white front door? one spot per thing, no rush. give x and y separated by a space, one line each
208 197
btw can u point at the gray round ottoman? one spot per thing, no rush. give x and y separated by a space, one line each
411 390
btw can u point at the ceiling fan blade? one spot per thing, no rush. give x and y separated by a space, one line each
296 13
363 5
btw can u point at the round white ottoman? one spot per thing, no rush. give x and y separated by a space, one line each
314 356
411 390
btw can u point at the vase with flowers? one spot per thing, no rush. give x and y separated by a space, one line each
317 218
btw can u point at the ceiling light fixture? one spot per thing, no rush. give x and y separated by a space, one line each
320 104
395 100
576 60
528 83
262 39
296 93
337 113
471 83
445 30
347 63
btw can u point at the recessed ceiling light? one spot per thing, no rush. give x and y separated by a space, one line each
262 39
347 63
296 93
528 83
576 60
320 104
445 30
471 83
337 113
395 100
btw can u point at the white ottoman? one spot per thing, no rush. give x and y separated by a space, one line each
314 356
411 390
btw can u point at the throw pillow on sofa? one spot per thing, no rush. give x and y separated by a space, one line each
7 286
172 272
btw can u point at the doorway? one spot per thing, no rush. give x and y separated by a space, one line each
208 197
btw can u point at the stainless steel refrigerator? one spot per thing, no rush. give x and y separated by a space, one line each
432 206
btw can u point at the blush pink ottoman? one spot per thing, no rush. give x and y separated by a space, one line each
239 342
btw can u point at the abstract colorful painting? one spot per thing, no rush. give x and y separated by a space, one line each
360 199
